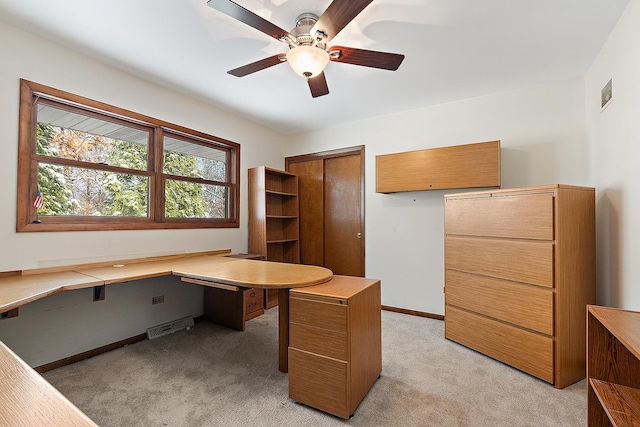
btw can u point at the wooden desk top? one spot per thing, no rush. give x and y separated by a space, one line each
20 290
123 272
27 399
263 274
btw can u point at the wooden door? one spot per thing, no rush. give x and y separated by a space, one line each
331 196
311 210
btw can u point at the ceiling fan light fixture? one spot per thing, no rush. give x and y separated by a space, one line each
307 61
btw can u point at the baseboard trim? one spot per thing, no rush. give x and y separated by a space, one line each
413 312
89 353
96 351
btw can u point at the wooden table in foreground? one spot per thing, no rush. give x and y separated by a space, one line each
261 274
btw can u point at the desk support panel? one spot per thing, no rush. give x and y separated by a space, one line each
99 293
9 314
283 330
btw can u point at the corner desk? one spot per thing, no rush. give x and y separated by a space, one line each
207 268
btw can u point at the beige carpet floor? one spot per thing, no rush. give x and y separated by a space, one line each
212 376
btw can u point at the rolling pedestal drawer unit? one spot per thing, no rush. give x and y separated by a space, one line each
335 344
519 274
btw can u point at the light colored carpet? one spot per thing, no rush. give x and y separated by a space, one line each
213 376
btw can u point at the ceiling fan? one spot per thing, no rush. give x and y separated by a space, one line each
308 51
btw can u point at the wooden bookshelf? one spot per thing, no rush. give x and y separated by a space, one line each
613 367
273 219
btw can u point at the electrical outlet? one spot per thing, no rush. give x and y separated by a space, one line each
157 300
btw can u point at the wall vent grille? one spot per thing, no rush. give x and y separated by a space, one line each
169 327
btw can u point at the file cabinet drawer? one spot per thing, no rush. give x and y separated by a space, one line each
322 341
523 216
528 261
320 382
254 300
328 314
524 305
522 349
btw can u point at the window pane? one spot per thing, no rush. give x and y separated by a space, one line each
70 190
194 160
193 200
71 135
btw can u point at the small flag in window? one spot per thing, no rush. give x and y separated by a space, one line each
37 201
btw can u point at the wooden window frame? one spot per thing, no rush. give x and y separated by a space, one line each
28 160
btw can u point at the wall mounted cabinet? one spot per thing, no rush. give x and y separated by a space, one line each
460 166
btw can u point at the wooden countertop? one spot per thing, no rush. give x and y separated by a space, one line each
123 271
20 290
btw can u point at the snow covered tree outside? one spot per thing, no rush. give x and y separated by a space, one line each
68 188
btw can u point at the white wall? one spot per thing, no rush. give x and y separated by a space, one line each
614 139
32 58
542 130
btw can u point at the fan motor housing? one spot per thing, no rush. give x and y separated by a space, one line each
302 30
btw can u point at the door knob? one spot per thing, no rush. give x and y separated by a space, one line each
359 235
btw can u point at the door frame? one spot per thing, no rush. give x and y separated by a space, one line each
357 150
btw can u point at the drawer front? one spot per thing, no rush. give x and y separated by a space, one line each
316 340
319 314
524 305
528 261
524 350
254 300
318 381
525 216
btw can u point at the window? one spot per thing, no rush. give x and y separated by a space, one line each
85 165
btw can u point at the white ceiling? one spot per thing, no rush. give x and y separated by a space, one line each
454 49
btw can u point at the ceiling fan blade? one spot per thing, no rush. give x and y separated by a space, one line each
318 85
243 15
367 58
337 16
258 65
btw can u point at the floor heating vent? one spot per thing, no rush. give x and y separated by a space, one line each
169 327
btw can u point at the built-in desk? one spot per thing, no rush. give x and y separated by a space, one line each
30 400
17 290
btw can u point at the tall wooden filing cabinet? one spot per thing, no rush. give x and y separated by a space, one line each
519 274
335 347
